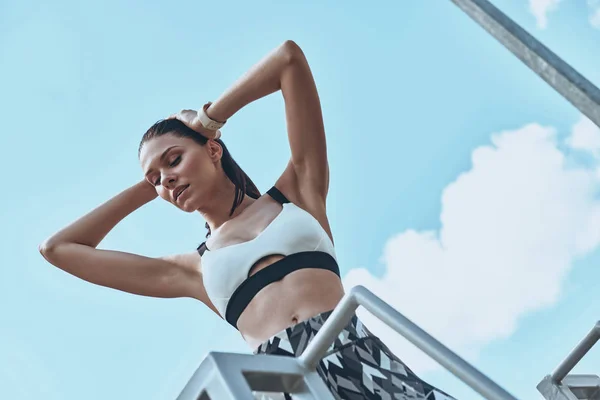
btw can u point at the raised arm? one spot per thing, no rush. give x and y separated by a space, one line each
73 249
287 69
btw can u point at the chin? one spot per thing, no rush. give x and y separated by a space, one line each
187 207
182 208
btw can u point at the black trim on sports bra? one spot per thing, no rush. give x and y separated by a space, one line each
244 294
202 248
277 195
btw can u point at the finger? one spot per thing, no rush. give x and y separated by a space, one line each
183 116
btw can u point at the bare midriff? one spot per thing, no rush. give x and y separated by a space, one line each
299 296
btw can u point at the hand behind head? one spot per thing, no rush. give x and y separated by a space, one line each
191 120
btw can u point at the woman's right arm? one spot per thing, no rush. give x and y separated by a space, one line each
73 249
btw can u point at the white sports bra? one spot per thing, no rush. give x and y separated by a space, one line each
294 233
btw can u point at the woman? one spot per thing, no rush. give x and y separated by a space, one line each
269 265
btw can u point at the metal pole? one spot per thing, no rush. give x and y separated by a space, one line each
557 73
359 295
577 354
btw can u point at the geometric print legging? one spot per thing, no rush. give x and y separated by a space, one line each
356 366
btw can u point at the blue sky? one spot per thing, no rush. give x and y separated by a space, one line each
471 205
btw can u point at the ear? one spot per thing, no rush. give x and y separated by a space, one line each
215 151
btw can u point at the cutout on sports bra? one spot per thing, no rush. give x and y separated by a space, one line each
254 267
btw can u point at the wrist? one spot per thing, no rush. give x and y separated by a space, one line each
205 121
144 191
212 112
215 112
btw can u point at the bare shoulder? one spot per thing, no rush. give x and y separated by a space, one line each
190 278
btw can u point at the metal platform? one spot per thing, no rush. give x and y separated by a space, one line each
561 386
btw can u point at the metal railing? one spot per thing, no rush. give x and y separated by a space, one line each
585 96
561 386
235 376
557 73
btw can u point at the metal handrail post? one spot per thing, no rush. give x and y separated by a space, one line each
359 295
576 354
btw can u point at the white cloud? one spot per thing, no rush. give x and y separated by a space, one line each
511 227
540 10
594 13
585 136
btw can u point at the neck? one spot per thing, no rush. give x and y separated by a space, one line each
217 212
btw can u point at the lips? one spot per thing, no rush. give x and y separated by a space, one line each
178 191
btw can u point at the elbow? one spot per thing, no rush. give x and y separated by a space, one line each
47 248
44 248
291 51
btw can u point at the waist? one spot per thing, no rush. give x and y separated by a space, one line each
277 271
295 339
298 297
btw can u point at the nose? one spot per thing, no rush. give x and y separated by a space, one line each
169 182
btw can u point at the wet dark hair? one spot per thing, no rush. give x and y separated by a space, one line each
243 183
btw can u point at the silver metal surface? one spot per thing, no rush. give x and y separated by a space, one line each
583 386
553 391
577 354
560 386
572 387
229 376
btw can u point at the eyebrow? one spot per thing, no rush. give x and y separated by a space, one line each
162 156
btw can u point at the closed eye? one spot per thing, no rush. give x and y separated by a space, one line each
172 164
175 161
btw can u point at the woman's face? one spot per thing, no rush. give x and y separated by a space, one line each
181 170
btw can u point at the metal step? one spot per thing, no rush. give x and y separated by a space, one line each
573 387
584 387
561 386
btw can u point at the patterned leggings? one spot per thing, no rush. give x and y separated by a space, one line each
357 365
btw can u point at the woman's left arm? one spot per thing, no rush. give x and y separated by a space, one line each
287 69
